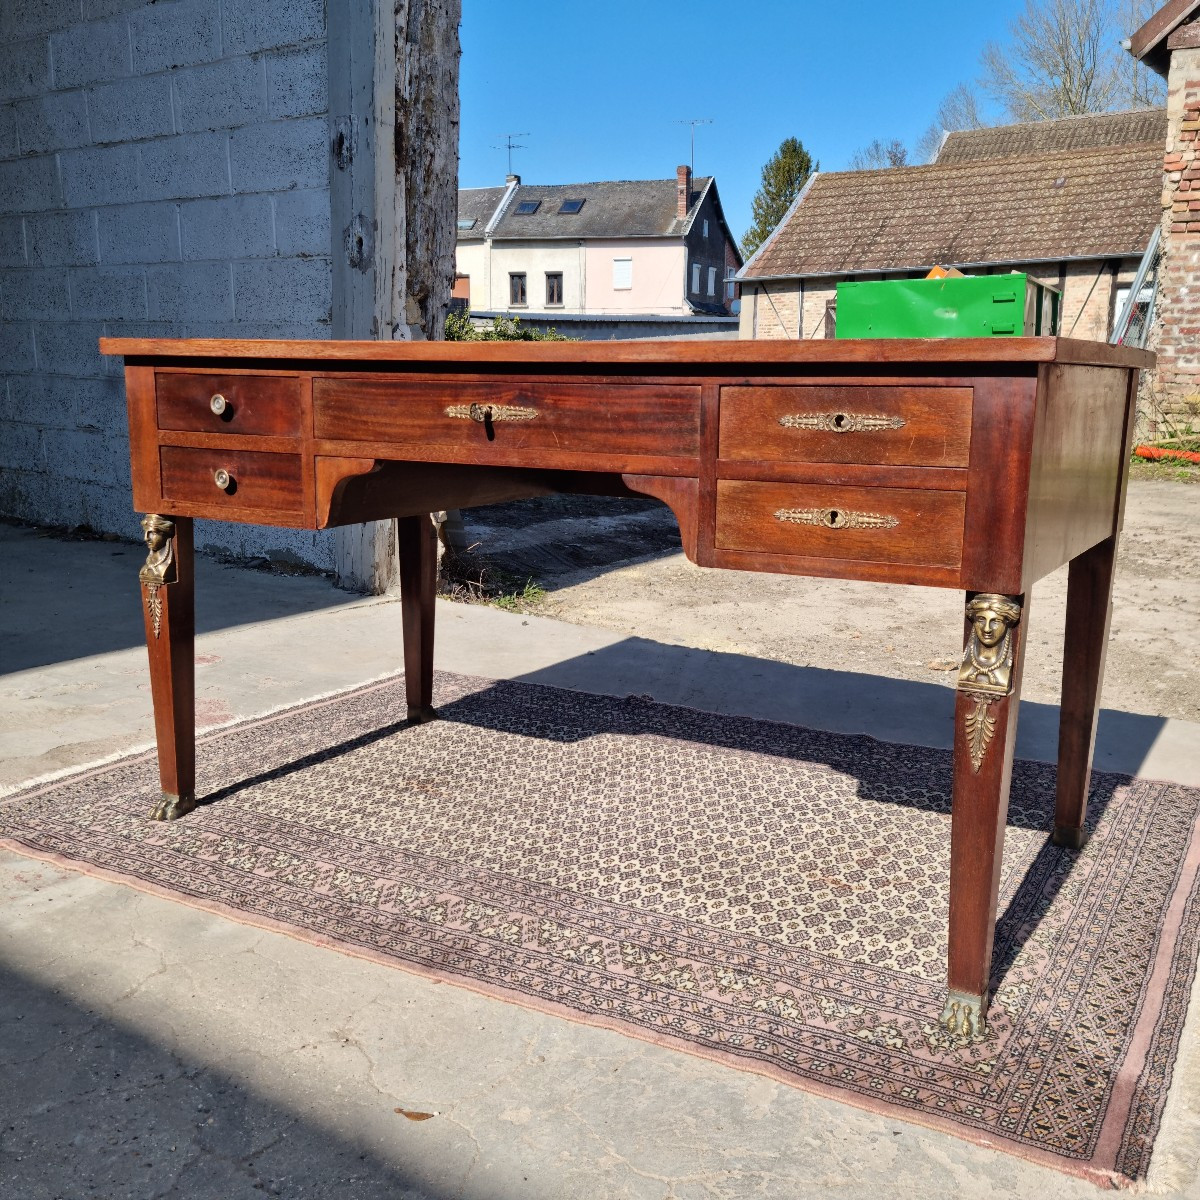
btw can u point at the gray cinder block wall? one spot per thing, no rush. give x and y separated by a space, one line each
164 171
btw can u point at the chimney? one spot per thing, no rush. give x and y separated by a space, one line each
683 184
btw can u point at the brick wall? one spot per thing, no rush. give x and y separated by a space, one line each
770 310
163 172
1087 297
1175 402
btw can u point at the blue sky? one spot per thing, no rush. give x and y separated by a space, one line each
597 89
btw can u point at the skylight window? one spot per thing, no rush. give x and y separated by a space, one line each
528 207
570 206
466 223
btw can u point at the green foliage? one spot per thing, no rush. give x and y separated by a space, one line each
523 600
785 174
460 328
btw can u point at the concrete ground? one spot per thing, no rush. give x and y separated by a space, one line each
152 1050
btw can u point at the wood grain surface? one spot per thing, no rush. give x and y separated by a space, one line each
263 482
928 529
934 424
252 404
566 417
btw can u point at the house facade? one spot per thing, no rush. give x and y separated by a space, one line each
1072 202
1169 43
598 256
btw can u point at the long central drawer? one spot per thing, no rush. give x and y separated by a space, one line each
659 419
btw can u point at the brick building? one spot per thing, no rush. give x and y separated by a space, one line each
1073 202
1169 43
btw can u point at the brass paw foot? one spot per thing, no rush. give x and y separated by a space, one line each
170 807
421 713
1073 839
963 1016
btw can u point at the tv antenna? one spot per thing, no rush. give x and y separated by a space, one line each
510 146
693 123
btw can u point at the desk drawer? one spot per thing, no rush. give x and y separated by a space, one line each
263 481
268 404
660 419
876 524
900 425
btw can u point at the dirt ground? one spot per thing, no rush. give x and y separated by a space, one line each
617 564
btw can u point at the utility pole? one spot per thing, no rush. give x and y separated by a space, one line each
693 123
510 146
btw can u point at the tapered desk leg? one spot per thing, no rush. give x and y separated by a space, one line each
168 606
985 726
417 540
1089 611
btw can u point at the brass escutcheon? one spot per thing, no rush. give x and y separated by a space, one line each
836 518
841 422
485 413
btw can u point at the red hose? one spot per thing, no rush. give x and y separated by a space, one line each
1161 452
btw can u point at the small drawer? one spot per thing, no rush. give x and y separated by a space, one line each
895 426
267 404
650 418
874 524
232 478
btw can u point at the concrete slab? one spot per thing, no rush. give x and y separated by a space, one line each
155 1050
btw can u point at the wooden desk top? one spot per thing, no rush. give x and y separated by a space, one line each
699 353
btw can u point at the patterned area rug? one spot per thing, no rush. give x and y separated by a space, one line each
767 896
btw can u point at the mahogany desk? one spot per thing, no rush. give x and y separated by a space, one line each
977 464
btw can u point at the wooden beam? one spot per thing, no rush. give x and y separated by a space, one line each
362 196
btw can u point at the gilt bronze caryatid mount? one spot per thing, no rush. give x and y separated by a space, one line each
159 567
987 666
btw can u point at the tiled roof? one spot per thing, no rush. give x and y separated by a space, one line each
1025 208
478 205
617 209
1094 131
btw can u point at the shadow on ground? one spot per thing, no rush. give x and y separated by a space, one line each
892 710
87 592
91 1107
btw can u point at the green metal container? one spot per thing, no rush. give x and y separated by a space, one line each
956 306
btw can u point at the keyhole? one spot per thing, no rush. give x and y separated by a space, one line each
488 427
840 421
833 518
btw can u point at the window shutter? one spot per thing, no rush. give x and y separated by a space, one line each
622 274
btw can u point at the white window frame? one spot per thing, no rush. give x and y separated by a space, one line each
695 279
712 281
622 278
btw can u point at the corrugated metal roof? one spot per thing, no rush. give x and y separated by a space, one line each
1099 203
1093 131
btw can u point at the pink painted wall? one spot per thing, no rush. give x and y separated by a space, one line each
658 277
